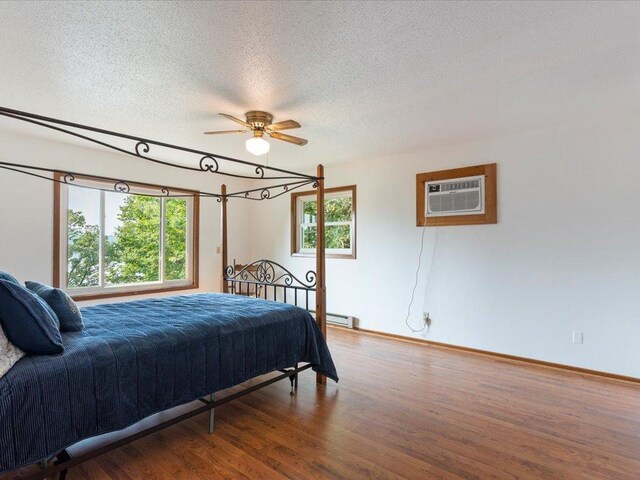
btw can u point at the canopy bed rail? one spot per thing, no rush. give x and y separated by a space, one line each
83 179
141 147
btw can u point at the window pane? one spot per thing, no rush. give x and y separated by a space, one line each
132 243
337 210
83 238
308 237
175 240
338 236
310 209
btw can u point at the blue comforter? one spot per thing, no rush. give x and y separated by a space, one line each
137 358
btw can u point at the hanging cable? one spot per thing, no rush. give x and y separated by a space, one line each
415 284
425 304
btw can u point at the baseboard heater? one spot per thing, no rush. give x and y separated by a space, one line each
340 320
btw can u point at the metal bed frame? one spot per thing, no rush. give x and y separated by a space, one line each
265 274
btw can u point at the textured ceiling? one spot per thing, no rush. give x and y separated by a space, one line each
363 79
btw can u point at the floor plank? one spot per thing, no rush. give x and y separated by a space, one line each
402 410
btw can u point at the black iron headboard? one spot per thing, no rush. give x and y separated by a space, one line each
271 281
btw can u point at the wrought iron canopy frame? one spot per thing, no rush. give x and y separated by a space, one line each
265 275
141 147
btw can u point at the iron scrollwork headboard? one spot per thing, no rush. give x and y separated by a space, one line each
267 279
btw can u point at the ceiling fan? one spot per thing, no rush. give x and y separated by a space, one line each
259 123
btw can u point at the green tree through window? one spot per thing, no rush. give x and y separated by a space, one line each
132 253
339 216
83 251
175 247
335 210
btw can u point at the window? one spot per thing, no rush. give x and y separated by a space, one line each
111 243
339 221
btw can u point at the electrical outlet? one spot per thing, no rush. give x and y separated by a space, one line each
426 319
578 337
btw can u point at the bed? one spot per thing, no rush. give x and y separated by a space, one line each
138 358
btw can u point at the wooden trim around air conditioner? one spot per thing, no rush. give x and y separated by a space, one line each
490 206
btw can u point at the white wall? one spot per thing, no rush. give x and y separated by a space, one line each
26 204
564 256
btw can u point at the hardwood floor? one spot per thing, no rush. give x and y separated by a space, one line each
403 410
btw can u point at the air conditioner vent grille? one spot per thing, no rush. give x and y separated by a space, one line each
461 196
458 201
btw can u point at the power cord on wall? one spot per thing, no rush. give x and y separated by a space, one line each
415 284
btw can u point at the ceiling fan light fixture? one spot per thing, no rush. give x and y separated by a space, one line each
260 123
257 146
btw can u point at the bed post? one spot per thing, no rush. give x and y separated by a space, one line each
223 229
321 289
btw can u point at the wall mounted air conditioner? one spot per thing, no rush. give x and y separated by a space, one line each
459 196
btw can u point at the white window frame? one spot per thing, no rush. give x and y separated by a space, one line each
123 289
348 192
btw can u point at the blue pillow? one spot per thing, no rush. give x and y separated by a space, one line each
8 277
27 320
62 304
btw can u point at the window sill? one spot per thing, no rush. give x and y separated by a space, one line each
347 256
129 293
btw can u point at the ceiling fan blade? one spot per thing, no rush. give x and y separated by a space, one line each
218 132
234 119
288 138
287 124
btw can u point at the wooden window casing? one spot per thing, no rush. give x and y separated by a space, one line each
60 261
296 223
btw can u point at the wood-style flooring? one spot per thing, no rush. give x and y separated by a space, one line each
402 410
